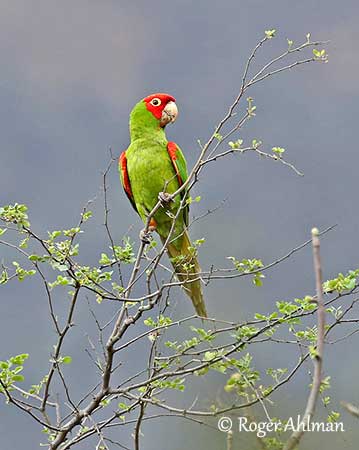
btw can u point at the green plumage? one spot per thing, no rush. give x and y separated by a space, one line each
150 170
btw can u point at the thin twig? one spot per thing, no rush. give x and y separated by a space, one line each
296 436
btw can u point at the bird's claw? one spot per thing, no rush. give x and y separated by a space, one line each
145 236
165 198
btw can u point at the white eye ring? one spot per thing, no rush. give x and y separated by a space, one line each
155 102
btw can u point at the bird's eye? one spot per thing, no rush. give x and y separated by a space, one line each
155 102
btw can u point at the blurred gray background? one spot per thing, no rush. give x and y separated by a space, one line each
70 74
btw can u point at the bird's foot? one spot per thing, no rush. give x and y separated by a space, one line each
146 236
165 198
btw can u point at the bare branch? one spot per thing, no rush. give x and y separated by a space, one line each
318 357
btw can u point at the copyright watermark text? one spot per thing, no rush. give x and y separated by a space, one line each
261 429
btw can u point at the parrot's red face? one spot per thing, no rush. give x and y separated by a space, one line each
163 107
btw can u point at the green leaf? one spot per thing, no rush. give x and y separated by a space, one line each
278 151
270 33
60 267
24 242
333 417
208 356
66 360
60 281
16 214
18 378
235 145
149 322
54 234
251 107
71 232
19 359
4 277
86 215
104 260
260 316
125 253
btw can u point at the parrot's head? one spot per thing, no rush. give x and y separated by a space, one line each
153 113
163 107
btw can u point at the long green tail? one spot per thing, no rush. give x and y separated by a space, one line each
193 289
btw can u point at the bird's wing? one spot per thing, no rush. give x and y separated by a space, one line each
125 179
180 167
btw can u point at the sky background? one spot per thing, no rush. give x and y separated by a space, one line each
70 74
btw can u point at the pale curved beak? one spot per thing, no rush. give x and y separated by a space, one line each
169 114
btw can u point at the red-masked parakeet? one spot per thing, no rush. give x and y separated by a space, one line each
151 166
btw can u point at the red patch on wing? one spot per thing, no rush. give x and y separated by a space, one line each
156 110
126 179
172 151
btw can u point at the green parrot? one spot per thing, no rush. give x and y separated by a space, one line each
152 167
